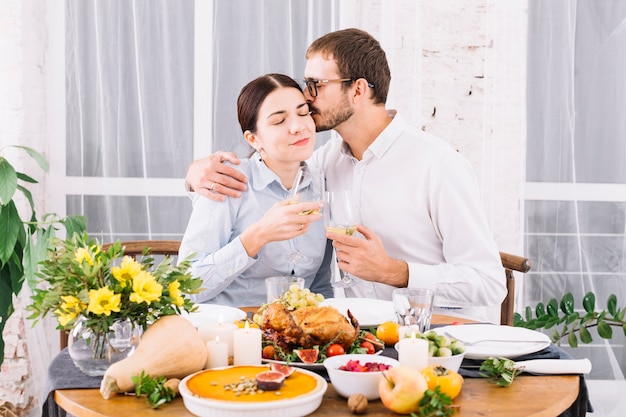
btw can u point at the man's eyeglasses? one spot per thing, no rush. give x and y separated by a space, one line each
311 85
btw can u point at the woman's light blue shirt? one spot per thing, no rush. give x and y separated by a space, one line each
229 275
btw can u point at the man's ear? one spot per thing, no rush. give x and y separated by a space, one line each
360 90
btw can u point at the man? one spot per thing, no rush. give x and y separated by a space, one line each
421 219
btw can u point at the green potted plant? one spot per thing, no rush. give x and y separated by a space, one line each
568 323
24 242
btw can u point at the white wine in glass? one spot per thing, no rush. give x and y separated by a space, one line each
308 186
339 217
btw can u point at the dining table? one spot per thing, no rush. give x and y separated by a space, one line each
528 395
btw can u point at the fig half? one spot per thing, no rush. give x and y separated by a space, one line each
270 380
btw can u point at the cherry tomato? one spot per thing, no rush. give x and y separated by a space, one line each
371 337
334 350
369 347
449 381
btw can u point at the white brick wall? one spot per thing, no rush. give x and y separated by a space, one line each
22 111
439 51
458 71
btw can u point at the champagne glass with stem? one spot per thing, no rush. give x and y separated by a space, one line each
340 217
308 186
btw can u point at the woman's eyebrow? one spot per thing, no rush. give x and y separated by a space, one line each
285 111
275 113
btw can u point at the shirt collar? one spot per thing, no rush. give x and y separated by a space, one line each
384 141
263 176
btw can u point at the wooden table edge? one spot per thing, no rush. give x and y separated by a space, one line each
177 409
89 403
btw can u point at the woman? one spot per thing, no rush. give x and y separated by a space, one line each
240 242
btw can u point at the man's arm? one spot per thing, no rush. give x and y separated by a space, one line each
213 179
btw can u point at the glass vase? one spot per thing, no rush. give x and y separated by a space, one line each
93 352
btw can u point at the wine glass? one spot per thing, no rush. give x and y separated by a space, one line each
308 186
339 217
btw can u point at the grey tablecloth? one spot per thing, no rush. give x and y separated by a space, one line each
62 373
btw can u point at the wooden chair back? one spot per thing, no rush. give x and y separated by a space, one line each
511 263
135 248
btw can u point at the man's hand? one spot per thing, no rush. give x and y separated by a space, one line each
213 179
367 258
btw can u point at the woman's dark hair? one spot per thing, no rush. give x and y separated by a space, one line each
254 93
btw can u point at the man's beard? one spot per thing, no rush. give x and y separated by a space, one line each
333 116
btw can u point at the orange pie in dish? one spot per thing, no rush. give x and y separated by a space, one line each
205 393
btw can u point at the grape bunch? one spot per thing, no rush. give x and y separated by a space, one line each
296 297
293 299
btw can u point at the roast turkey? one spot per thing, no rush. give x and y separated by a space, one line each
307 327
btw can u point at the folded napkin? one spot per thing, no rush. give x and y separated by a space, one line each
469 367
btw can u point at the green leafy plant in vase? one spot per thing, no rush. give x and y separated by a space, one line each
23 243
106 298
567 323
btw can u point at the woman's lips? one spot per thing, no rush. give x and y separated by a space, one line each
301 142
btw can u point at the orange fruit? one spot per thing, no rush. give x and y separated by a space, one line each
242 323
388 332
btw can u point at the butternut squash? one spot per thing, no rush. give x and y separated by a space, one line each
171 347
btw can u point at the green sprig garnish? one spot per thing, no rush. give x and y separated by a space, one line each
435 403
154 389
499 371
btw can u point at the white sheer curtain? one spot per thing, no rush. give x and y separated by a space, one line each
129 102
129 113
576 160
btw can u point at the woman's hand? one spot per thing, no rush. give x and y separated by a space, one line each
283 221
213 179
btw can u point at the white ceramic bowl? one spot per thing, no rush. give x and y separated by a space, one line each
347 383
453 362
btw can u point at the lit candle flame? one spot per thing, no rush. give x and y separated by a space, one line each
217 339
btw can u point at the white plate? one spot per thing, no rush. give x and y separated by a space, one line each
307 365
516 341
213 313
369 312
292 407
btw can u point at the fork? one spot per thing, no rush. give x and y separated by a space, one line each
475 342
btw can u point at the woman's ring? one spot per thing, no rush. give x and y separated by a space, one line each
301 226
212 186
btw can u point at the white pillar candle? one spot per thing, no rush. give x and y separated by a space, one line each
405 331
413 352
247 346
217 354
209 331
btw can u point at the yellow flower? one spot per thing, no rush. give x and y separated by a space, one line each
145 288
175 293
71 304
64 318
103 301
82 254
127 271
